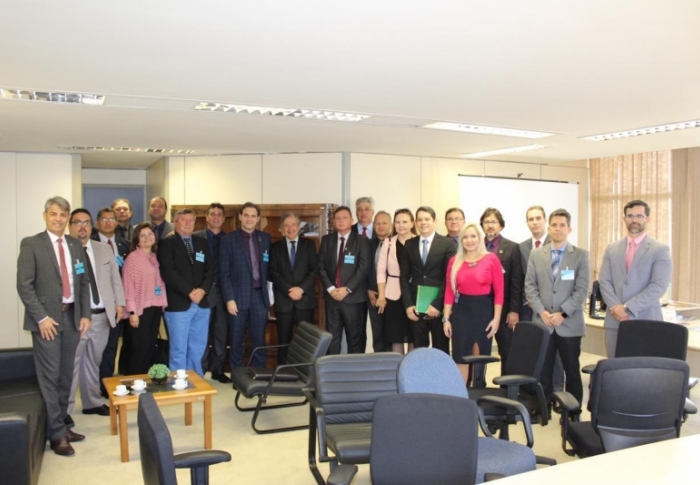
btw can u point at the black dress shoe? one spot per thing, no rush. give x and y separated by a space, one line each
72 437
68 421
222 378
100 410
62 447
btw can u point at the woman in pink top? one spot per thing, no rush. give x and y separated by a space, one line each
144 292
397 327
473 297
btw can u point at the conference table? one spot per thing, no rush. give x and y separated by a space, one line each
667 462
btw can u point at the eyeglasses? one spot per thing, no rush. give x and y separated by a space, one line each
491 223
80 223
639 217
108 219
454 219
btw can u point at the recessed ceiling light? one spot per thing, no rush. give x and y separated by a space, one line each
52 97
652 130
503 150
127 149
286 112
486 130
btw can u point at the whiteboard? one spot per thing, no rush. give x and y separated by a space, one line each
512 197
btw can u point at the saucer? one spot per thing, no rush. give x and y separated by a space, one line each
138 389
178 388
120 394
180 377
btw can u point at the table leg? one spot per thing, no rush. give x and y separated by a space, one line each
123 434
188 414
112 418
207 423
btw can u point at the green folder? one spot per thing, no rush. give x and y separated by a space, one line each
426 296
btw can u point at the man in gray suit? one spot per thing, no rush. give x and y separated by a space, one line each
635 274
157 208
556 285
55 290
106 307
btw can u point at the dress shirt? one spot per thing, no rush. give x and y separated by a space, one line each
69 264
106 240
496 242
140 276
370 229
541 240
296 243
91 255
344 236
420 243
632 245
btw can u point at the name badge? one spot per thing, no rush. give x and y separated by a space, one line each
158 290
199 257
79 267
266 257
120 260
349 259
567 275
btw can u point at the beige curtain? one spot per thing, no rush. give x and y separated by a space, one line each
685 166
617 180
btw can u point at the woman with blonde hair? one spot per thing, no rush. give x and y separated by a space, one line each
397 327
473 297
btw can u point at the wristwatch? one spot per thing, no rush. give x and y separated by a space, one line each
445 320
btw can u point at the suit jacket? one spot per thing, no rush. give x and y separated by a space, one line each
109 283
374 237
525 249
39 281
352 275
567 296
235 274
644 285
179 275
303 275
123 247
168 227
513 277
433 273
125 233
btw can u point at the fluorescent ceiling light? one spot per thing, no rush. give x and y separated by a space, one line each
503 150
286 112
486 130
123 149
644 131
53 97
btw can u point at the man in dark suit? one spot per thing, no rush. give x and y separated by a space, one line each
293 269
509 253
188 274
454 220
54 287
342 267
218 326
245 255
107 226
382 230
122 209
424 263
364 211
157 208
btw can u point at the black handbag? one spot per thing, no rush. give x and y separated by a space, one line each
162 355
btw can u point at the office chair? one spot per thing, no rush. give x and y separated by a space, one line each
634 401
157 461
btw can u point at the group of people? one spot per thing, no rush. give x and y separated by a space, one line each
417 287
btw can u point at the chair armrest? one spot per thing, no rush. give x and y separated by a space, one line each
479 359
588 369
264 347
690 407
318 424
342 475
193 459
490 477
566 401
274 375
692 382
514 380
507 404
543 460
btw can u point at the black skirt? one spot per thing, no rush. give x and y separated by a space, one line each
470 317
397 326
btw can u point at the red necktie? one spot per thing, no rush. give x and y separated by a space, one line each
65 281
364 232
109 241
339 264
537 244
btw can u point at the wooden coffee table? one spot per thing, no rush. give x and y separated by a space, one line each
198 390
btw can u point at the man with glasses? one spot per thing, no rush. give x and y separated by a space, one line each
454 220
635 274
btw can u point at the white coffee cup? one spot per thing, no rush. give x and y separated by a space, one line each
139 384
121 389
180 384
181 373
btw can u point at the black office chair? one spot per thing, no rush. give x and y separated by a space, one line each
521 381
634 401
157 461
308 344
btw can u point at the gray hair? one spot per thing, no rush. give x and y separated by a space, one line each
286 215
59 201
360 200
182 212
383 213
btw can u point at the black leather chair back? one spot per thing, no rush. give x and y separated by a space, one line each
157 463
424 438
528 349
308 344
638 338
348 385
638 400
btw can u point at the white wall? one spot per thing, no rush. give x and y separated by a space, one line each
97 176
156 182
302 178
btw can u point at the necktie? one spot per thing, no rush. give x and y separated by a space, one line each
65 281
424 254
537 244
93 282
293 253
489 246
555 262
109 241
339 264
364 232
188 246
629 256
254 263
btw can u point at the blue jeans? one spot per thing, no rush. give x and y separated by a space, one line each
188 332
254 316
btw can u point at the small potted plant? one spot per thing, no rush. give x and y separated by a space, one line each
159 373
